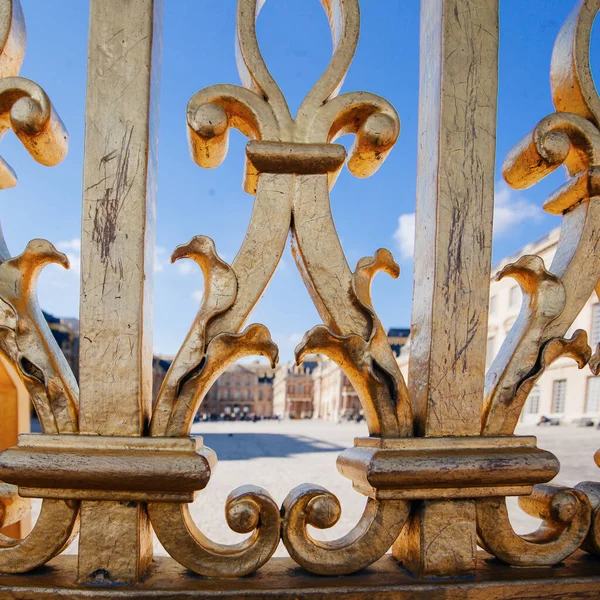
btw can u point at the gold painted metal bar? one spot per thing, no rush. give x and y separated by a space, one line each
455 197
299 159
471 469
578 577
92 468
117 264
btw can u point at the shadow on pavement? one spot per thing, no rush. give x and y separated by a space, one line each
243 446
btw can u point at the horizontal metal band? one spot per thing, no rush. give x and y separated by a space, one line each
300 159
119 495
106 468
428 468
442 493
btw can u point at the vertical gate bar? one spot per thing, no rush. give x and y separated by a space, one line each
117 239
15 418
455 198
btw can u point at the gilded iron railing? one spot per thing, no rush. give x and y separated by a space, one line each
441 456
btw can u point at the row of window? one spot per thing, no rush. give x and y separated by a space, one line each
559 397
594 338
514 299
299 388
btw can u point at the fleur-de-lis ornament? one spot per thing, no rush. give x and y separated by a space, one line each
291 164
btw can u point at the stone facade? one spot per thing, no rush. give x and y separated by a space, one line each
293 390
243 390
317 389
334 397
160 366
564 393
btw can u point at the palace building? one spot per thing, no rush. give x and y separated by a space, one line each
564 393
293 389
244 389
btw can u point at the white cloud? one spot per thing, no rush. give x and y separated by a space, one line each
74 244
294 338
405 235
510 210
197 295
72 248
160 258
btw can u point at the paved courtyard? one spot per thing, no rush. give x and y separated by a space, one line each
281 455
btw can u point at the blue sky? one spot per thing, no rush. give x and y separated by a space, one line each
294 37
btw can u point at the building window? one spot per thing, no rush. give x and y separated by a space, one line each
592 404
559 393
493 305
595 335
515 296
532 406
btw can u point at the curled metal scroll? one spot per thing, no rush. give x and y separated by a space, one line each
565 515
25 339
29 347
552 298
249 509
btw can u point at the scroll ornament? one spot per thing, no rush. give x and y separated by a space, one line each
26 342
552 298
291 165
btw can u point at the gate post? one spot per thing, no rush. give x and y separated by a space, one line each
455 198
117 242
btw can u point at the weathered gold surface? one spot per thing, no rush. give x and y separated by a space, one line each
429 497
592 490
455 196
552 297
281 579
95 467
565 513
26 344
291 164
409 469
117 238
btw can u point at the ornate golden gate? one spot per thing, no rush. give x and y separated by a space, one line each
441 456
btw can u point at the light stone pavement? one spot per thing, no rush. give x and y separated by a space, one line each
279 455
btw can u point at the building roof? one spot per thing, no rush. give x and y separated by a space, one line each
398 332
310 365
163 362
260 368
50 318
